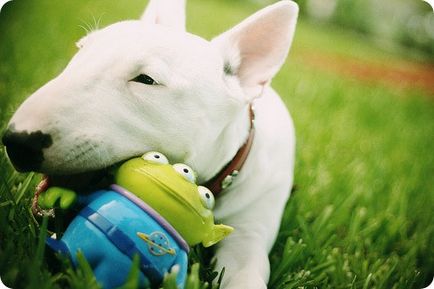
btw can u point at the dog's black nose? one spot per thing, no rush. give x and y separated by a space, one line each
25 149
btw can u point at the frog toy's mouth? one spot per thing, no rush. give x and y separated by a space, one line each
169 191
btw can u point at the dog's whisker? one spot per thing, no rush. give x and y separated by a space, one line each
95 26
89 25
99 21
96 22
84 28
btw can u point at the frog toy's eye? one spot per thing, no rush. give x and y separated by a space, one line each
206 197
155 157
186 172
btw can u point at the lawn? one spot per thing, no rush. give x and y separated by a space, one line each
361 214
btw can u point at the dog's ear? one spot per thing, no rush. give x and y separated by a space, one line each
255 49
169 13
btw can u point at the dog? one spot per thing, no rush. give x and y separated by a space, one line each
147 84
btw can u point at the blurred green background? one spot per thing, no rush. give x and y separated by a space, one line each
359 83
400 25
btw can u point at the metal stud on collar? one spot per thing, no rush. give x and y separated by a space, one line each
228 180
224 178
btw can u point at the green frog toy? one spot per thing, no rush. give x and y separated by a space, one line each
155 210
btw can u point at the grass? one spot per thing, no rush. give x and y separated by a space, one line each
361 216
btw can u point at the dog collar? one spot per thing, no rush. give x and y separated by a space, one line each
225 177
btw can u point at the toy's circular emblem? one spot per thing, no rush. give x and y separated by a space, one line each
158 243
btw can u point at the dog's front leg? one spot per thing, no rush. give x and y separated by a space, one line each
245 260
244 254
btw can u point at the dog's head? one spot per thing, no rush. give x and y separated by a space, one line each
143 85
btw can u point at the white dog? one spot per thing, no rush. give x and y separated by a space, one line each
147 84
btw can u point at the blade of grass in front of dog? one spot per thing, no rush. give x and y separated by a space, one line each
41 243
82 276
38 276
24 187
193 281
292 253
169 281
219 280
133 277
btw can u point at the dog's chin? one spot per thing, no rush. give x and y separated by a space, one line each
81 183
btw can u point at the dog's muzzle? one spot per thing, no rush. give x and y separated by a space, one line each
25 150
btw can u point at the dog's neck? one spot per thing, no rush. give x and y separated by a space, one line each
216 154
224 178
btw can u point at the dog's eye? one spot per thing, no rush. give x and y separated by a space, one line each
186 172
206 197
155 157
145 79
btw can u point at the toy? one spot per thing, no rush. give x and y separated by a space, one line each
155 210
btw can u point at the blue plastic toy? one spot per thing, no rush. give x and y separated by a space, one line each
155 211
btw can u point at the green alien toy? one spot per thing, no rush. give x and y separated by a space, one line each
154 210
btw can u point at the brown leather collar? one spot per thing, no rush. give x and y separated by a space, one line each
225 177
